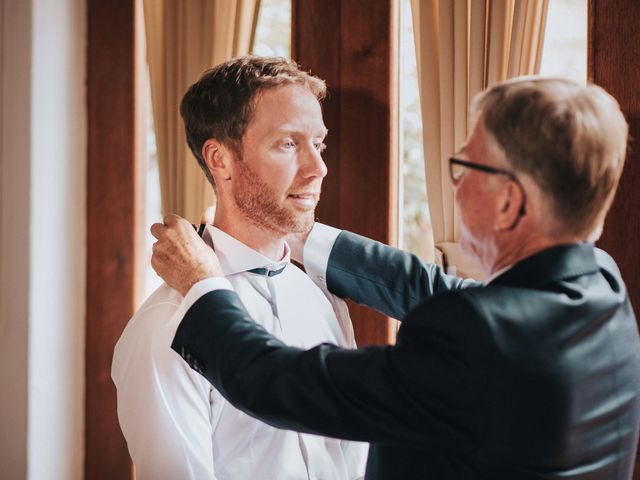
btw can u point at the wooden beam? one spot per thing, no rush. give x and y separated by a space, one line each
614 64
353 46
113 203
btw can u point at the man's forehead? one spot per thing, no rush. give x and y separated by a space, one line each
475 140
288 109
286 92
288 129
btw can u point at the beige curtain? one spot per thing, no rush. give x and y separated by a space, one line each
463 46
184 38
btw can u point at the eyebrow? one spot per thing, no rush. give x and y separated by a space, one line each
291 131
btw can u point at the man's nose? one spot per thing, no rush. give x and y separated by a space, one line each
313 164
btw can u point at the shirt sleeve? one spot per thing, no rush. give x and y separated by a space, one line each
163 405
355 455
317 250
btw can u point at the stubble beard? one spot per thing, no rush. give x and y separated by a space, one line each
259 204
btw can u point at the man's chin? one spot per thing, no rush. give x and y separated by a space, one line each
302 225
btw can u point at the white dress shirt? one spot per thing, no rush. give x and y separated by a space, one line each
177 426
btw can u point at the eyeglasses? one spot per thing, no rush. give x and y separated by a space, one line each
456 170
457 166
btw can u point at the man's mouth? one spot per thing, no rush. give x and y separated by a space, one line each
305 199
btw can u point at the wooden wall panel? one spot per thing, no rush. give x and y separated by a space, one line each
352 45
614 64
112 237
315 44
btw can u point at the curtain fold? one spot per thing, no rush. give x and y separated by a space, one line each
464 46
184 38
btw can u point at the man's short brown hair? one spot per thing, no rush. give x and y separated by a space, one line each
221 103
571 139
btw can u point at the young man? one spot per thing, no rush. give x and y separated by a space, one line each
255 126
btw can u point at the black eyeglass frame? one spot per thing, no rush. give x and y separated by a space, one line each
493 171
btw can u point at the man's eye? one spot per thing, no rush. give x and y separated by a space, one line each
320 146
288 145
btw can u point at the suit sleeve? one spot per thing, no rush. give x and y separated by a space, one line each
384 278
427 389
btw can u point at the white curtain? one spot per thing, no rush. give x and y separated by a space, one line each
184 38
462 47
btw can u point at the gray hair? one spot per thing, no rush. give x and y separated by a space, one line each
571 139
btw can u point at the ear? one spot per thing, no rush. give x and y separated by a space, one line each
509 201
218 159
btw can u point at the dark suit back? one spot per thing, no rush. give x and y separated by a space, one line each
533 376
556 347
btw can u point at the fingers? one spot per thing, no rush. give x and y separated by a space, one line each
172 219
154 259
207 215
158 229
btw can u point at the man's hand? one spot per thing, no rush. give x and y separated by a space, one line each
180 256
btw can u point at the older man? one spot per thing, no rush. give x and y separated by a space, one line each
533 374
255 127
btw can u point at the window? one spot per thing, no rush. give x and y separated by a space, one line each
153 202
415 225
273 30
565 45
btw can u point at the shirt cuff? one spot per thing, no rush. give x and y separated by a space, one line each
317 250
202 287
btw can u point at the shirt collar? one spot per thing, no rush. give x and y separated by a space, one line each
236 257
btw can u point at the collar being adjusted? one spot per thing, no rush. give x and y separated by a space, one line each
236 257
268 272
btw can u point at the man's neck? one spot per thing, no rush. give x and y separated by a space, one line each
267 242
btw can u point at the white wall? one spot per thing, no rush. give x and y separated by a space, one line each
42 239
57 240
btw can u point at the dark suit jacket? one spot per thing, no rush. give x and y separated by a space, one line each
535 375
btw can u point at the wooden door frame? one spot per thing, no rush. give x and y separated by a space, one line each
115 189
614 65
